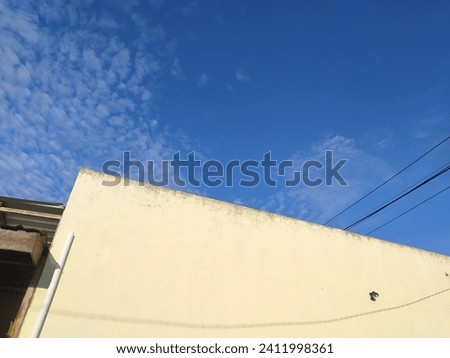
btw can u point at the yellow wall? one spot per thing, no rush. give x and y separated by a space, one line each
154 262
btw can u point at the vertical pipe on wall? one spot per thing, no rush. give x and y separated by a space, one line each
52 287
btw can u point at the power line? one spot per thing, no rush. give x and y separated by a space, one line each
407 211
417 182
442 171
401 195
388 180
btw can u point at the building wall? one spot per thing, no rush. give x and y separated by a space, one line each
154 262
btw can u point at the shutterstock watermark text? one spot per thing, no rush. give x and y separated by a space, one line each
193 172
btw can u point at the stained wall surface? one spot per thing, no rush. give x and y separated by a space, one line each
154 262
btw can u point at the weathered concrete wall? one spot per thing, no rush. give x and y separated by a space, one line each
153 262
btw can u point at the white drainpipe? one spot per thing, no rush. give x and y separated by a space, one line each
52 287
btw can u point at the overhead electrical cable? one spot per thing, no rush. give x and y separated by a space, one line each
419 185
417 182
388 180
407 211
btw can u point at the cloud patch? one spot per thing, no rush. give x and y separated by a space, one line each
176 69
203 80
241 76
75 97
320 203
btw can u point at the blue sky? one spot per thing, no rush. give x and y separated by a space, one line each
81 82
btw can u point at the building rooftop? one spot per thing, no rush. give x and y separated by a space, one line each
29 215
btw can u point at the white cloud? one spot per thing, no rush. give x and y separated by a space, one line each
203 80
241 76
318 204
91 62
104 21
176 69
429 126
73 97
146 96
147 32
171 46
153 123
121 63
